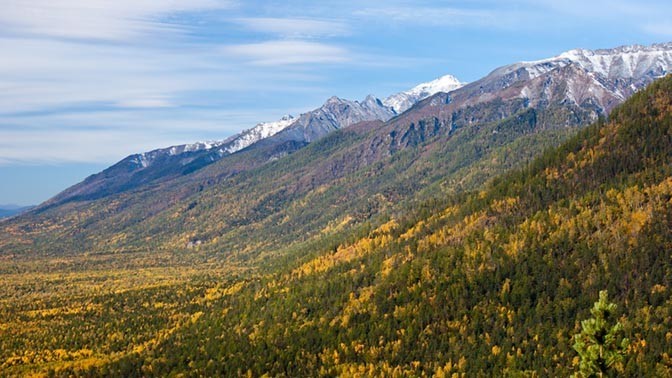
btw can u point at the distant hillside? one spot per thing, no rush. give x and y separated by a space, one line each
11 210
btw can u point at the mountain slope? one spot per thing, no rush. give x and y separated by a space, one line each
336 113
492 283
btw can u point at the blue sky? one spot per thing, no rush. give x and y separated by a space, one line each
85 83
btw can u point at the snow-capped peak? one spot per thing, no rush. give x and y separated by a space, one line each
402 101
260 131
444 83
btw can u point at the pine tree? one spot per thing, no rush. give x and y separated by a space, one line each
598 343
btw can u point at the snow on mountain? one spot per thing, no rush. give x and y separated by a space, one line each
603 77
402 101
260 131
146 159
625 62
227 146
335 114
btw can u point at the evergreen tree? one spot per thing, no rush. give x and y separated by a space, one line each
598 343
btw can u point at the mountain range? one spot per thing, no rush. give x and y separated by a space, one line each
566 91
589 82
293 133
363 159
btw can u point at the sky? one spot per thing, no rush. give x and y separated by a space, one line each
84 83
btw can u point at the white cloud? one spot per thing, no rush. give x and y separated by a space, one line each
273 53
97 19
47 74
650 16
295 27
106 135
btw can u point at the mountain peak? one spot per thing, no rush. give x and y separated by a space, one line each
444 83
334 100
402 101
372 101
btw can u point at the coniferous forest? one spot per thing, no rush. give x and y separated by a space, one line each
495 281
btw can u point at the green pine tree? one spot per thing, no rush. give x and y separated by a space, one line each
598 343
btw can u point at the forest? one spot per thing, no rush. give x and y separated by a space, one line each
491 281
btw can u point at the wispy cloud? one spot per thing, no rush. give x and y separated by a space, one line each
149 102
430 15
483 15
295 27
288 52
67 146
97 19
43 74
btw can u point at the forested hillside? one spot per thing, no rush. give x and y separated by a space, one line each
492 282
